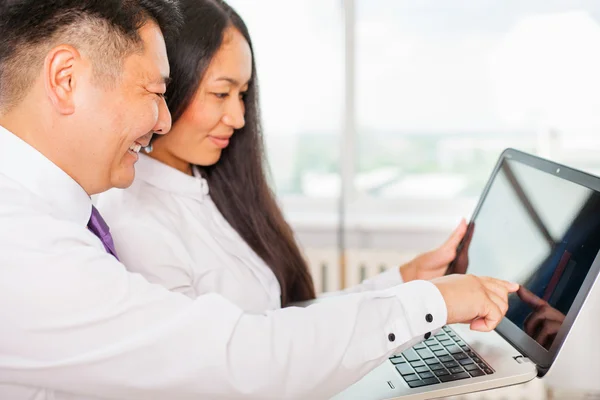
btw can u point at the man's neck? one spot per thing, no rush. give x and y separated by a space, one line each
27 125
33 130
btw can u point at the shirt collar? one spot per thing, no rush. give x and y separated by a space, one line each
167 178
22 163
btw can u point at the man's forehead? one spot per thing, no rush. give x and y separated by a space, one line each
146 71
149 70
153 59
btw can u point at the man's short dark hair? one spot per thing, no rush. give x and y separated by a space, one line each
104 30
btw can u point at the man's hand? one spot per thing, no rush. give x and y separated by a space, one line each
479 301
544 322
434 264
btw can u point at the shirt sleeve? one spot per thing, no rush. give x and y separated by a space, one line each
78 322
389 278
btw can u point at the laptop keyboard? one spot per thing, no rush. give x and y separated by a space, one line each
442 358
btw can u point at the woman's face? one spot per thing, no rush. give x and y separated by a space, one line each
216 110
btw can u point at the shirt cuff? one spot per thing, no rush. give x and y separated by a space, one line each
424 307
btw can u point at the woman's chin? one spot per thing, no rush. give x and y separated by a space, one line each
208 159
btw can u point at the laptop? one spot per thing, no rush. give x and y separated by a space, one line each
537 223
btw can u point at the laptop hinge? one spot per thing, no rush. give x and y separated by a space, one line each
521 359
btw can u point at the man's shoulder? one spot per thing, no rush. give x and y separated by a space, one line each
24 216
17 202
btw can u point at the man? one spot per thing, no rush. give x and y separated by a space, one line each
81 85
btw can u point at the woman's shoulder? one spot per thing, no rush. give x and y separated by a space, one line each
140 206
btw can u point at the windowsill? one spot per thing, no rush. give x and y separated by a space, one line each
402 224
380 214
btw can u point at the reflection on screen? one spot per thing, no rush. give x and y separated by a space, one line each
541 231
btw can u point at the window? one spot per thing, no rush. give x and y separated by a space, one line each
444 87
299 52
439 89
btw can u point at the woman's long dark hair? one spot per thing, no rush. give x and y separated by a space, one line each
238 183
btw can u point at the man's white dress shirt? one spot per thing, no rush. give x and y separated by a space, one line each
75 324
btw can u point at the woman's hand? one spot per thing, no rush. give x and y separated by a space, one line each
434 264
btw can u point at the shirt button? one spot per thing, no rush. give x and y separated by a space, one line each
429 318
391 337
427 335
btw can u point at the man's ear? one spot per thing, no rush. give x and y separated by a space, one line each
59 77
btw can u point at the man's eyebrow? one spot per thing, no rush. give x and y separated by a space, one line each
163 80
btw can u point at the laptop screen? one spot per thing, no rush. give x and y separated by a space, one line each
541 231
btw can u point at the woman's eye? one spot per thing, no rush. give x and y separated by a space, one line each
221 95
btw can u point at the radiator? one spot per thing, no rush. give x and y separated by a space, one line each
361 264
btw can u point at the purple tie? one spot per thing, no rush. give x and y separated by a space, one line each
99 228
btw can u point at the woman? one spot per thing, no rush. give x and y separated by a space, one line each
203 191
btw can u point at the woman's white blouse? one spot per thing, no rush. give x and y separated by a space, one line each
200 252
